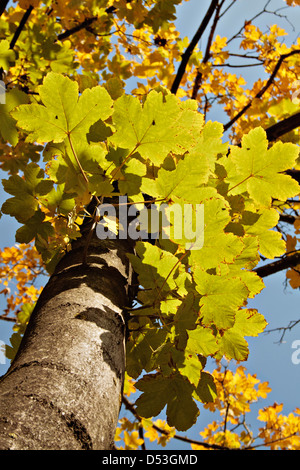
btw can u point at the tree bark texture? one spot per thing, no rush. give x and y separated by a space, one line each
64 388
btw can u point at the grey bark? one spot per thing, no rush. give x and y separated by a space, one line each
64 388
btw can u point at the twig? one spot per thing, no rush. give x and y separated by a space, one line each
284 329
271 442
264 89
247 22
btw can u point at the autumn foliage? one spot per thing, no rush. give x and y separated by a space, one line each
109 94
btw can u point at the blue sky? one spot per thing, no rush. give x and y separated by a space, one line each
271 361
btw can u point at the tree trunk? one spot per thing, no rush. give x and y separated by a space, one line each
64 388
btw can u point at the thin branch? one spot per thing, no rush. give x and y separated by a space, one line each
227 8
249 22
245 56
186 56
235 66
20 27
84 24
279 439
284 329
87 22
129 406
264 89
10 319
207 55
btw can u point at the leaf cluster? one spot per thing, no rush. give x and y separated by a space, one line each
194 283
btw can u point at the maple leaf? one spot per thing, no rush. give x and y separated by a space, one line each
7 55
202 341
258 170
271 243
175 392
63 113
161 126
220 298
25 191
218 246
8 129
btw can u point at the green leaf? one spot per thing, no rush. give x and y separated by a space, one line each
175 392
58 200
34 227
202 341
63 114
161 126
186 181
285 107
220 298
210 145
218 247
8 128
61 56
252 281
15 341
233 345
21 209
190 367
186 315
26 190
257 170
206 391
271 243
7 55
155 267
140 352
248 322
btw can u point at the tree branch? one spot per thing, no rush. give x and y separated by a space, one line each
20 27
10 319
186 56
264 89
287 218
3 4
283 127
87 22
286 262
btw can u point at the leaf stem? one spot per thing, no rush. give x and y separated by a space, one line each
76 158
115 171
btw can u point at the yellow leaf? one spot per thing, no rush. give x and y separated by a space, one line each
129 385
132 440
